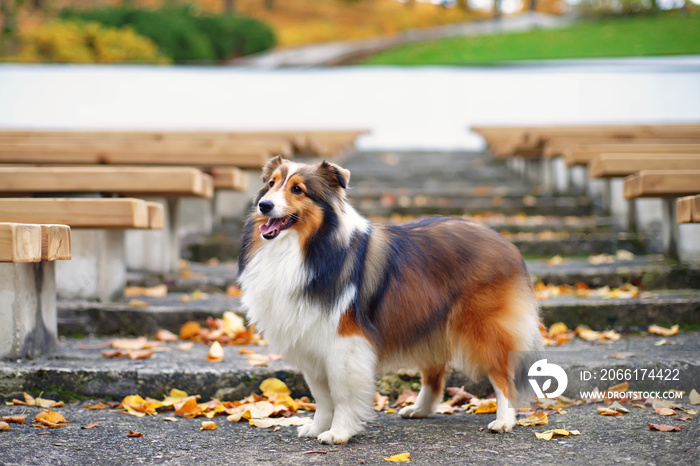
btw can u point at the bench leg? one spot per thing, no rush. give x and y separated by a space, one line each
670 229
97 269
632 224
27 310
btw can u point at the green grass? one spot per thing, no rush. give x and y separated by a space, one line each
665 34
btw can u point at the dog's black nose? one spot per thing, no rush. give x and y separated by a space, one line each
265 206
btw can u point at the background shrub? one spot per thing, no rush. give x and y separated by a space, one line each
80 42
185 35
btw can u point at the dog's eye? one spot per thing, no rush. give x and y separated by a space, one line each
272 183
297 190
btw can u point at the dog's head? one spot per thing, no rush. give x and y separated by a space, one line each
298 196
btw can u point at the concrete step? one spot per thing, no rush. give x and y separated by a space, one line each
76 318
78 370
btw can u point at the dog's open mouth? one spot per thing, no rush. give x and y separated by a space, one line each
274 226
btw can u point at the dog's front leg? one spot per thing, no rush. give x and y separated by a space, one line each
351 368
317 381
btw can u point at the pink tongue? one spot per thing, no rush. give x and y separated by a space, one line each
271 225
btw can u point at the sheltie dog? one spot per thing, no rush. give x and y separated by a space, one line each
343 298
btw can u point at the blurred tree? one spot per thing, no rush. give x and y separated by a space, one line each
229 6
9 8
463 4
269 5
533 5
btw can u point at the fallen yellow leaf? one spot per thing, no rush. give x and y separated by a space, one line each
273 386
400 458
4 425
694 397
208 425
280 422
216 352
663 331
549 434
535 419
175 396
486 406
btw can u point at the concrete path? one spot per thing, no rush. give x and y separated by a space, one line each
337 52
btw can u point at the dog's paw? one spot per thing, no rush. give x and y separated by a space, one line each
501 426
334 437
412 411
310 430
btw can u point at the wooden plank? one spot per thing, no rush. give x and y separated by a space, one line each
584 154
556 147
662 183
618 165
165 181
684 210
230 178
156 216
506 140
20 243
55 242
119 213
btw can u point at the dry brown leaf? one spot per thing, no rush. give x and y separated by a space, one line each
188 345
683 417
4 425
663 331
279 422
113 353
98 405
619 408
585 333
140 354
664 427
165 335
50 418
458 396
549 434
380 401
407 397
665 412
14 419
694 397
130 343
234 291
132 433
621 387
92 425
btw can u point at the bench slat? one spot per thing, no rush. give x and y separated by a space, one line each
229 178
20 242
662 183
584 154
173 181
688 209
618 165
55 242
118 213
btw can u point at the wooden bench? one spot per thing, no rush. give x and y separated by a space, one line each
688 209
28 287
98 268
667 185
584 154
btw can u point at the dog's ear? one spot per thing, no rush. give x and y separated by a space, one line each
271 166
335 175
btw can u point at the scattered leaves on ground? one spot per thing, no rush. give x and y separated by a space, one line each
208 425
581 290
229 330
158 291
558 334
98 405
132 433
40 402
665 412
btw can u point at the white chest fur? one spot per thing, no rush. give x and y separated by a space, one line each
272 284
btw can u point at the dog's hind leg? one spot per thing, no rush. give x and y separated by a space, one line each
430 395
323 417
351 367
